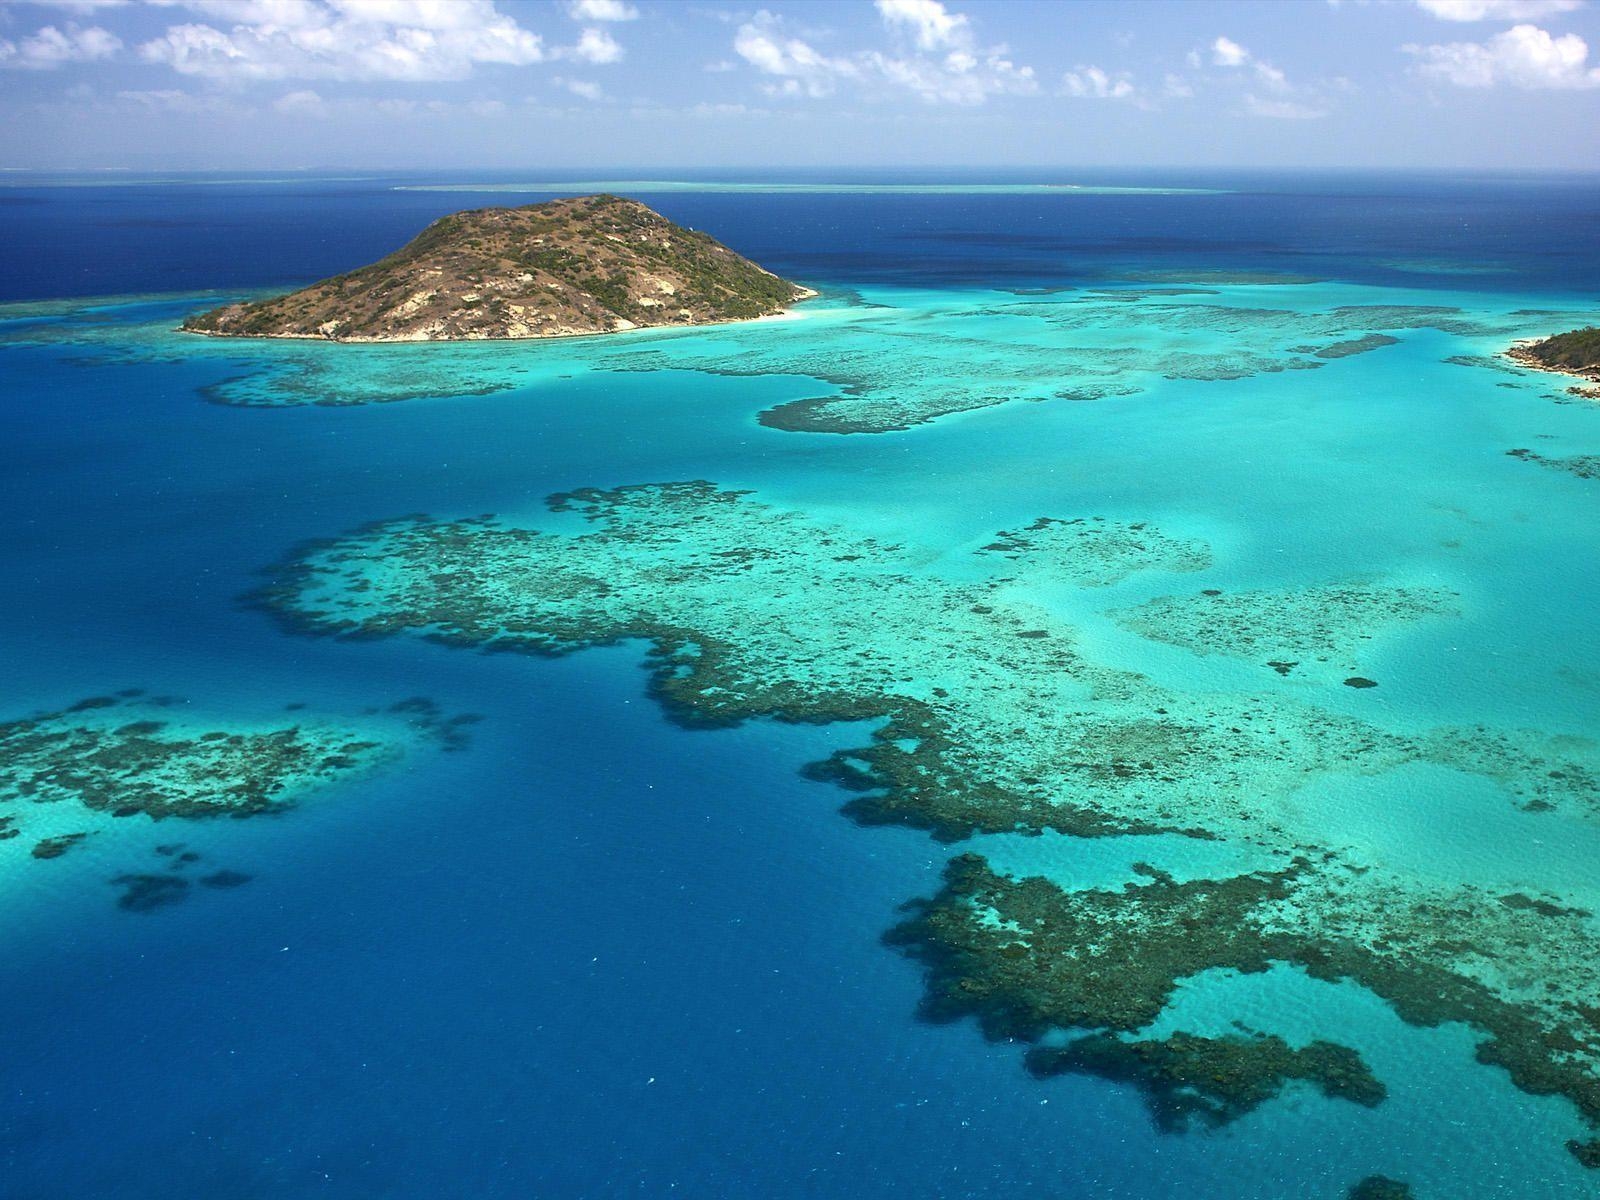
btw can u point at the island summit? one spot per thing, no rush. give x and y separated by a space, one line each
579 265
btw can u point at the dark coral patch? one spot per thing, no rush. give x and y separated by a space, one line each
1188 1079
1545 908
1584 466
146 893
161 769
1380 1187
1023 957
55 847
1361 345
1587 1153
226 879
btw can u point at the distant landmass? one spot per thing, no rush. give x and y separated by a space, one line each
579 265
1576 352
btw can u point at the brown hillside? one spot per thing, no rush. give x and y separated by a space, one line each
589 264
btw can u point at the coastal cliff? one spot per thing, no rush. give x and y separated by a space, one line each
582 265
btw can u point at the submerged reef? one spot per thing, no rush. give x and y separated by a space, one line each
1584 466
147 891
1095 552
1361 345
1380 1187
1220 276
107 759
1082 348
877 367
1288 629
1025 956
1211 1080
55 847
268 373
112 759
991 719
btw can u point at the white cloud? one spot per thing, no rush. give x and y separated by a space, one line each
1226 52
342 40
1282 110
301 104
1524 56
958 78
959 73
582 87
83 8
801 69
1271 76
704 109
595 46
602 10
1094 84
1496 10
1286 103
930 24
172 100
1176 87
51 47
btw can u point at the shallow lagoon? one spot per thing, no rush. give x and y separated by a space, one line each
506 944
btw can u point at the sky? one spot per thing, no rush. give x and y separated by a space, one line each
699 84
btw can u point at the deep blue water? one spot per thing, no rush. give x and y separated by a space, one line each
592 955
110 239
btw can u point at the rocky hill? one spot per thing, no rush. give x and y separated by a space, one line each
588 264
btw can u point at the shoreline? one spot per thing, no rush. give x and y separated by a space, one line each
1518 352
787 313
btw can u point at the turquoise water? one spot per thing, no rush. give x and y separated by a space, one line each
595 953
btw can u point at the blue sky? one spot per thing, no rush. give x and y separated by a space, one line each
277 84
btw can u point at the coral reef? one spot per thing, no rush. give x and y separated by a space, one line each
1380 1187
1361 345
55 847
1325 625
1212 1081
107 759
879 367
1024 956
1584 466
146 893
1095 552
94 755
990 720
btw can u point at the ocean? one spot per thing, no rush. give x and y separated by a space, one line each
1160 544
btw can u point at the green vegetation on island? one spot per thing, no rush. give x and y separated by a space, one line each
590 264
1576 352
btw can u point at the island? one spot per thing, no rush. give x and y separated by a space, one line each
578 265
1576 352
